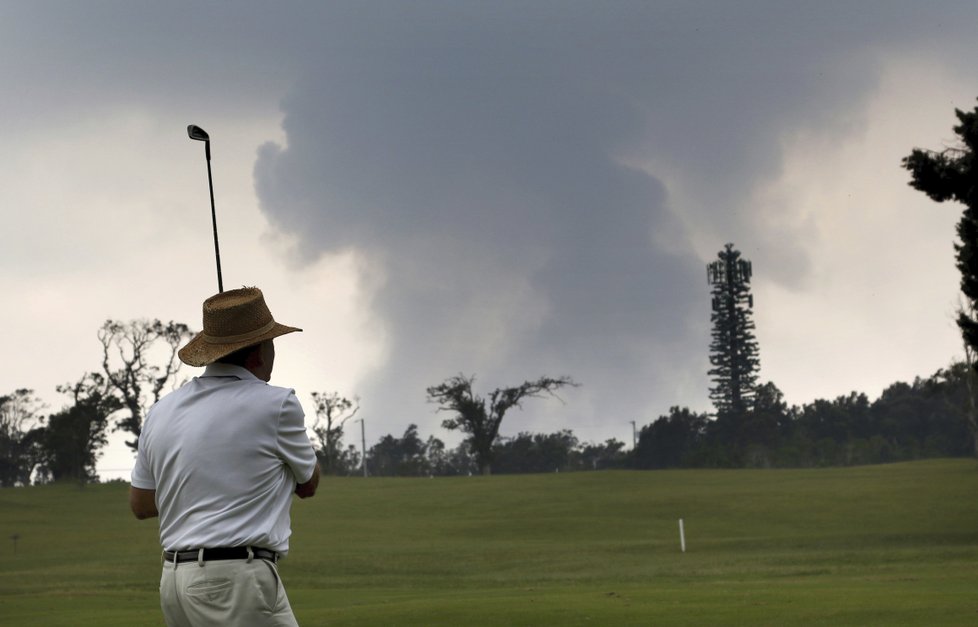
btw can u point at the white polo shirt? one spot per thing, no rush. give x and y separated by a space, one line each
224 453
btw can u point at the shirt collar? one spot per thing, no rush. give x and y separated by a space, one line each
218 369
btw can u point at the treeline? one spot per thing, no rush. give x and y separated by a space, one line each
926 418
930 417
412 456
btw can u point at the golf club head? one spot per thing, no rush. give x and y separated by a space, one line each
195 132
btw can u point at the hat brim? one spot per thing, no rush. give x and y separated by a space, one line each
199 352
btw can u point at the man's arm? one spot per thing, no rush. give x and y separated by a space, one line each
307 489
142 503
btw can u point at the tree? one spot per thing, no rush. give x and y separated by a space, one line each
952 174
836 428
19 424
671 440
480 422
956 392
733 349
70 443
534 452
764 426
332 412
451 462
131 374
769 418
610 454
407 456
971 385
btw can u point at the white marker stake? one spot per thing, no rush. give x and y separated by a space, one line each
682 536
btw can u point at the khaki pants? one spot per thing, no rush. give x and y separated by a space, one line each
236 593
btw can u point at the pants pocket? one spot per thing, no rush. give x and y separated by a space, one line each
213 592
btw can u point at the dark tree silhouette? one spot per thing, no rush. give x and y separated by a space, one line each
952 174
733 349
71 441
332 412
535 452
407 456
671 440
479 421
128 362
20 426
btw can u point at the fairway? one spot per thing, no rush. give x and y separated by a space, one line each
878 545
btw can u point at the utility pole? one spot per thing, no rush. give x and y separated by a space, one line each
634 436
363 446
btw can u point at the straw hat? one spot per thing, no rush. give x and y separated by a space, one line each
232 320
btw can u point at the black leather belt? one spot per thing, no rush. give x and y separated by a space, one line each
221 553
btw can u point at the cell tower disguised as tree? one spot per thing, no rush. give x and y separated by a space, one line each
734 353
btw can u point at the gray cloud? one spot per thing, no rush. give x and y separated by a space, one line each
484 177
509 169
478 153
476 159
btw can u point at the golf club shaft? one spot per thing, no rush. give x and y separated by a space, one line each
217 248
198 134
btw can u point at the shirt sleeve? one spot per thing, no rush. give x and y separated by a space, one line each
142 473
293 442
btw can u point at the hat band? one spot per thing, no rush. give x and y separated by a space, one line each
243 337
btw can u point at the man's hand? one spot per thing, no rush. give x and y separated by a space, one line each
307 489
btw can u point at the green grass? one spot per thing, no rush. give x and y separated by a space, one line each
877 545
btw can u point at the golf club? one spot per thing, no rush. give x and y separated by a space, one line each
199 134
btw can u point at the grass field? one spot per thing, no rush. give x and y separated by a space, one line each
878 545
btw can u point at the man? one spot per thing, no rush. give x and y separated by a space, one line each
218 462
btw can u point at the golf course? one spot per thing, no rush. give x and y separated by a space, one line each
875 545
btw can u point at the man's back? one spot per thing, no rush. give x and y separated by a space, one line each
225 452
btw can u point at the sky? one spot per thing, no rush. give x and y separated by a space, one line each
505 190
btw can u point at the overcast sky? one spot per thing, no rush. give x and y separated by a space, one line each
504 189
